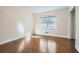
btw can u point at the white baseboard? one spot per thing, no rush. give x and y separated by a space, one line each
55 35
77 48
58 36
9 40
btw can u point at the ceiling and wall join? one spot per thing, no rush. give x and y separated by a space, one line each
40 9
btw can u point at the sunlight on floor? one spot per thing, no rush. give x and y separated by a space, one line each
21 46
51 46
47 45
28 38
43 45
26 41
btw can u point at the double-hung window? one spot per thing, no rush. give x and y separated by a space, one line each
48 23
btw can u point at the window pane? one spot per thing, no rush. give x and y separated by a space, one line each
49 22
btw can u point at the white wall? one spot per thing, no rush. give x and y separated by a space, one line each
14 22
62 22
77 29
71 32
73 24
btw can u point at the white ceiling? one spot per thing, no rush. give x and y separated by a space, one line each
38 9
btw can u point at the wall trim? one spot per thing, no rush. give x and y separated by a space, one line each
55 35
13 39
71 8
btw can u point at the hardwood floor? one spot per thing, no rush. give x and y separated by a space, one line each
39 44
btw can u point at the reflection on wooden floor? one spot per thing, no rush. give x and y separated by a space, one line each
39 44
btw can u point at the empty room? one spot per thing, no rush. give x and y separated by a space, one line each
39 29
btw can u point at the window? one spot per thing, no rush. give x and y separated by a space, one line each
48 23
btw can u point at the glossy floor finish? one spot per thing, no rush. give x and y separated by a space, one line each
39 44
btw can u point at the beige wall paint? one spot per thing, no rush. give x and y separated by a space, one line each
1 22
14 22
77 29
62 22
73 24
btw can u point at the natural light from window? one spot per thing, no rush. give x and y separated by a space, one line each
48 23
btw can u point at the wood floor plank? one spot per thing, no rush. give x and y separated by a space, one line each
39 44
